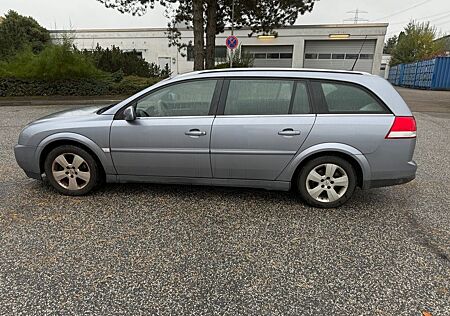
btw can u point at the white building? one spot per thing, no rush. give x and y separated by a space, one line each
334 46
385 66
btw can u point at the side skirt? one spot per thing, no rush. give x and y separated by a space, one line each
263 184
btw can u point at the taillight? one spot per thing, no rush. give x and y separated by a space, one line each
403 127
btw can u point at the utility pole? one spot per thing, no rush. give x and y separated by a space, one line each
356 19
232 33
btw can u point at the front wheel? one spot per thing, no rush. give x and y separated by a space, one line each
327 182
71 170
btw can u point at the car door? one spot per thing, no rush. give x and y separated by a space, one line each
260 126
171 134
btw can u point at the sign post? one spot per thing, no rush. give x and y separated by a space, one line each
231 42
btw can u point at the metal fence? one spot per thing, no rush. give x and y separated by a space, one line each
433 74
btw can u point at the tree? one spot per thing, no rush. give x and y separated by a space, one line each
118 62
416 42
18 32
390 44
209 17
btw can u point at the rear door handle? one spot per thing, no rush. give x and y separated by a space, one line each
288 132
195 132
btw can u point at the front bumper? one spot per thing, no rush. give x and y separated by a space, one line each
26 159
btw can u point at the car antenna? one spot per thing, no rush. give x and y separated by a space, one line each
360 50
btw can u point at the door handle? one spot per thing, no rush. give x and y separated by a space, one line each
195 133
288 132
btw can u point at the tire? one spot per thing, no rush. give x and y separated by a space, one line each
327 182
72 170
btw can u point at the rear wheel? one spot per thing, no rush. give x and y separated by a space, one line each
327 182
71 170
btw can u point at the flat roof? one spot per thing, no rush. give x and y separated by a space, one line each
159 29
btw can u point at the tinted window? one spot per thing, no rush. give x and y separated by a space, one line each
348 98
191 98
301 100
258 97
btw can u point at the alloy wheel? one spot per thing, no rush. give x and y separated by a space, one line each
71 171
327 182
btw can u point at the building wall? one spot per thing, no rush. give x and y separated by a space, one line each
153 43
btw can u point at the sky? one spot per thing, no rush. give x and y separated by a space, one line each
77 14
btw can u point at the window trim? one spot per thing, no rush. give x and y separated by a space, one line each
212 108
295 81
321 103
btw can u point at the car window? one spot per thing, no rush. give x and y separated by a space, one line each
258 97
348 98
192 98
301 100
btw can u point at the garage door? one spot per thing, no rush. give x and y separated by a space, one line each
276 56
340 54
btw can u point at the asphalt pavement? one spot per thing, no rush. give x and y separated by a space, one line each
166 249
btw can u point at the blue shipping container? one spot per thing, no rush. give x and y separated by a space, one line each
431 74
441 74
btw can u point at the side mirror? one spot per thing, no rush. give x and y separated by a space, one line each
129 113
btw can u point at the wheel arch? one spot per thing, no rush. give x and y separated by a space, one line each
104 161
351 154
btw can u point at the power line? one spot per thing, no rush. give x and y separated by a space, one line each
443 22
404 10
438 25
423 18
442 17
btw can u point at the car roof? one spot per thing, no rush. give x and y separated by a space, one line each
278 72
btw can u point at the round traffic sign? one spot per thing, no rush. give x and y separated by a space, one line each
232 42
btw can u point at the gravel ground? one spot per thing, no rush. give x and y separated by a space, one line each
162 249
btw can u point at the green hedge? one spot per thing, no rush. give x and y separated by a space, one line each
10 87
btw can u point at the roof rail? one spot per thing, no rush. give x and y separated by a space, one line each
282 70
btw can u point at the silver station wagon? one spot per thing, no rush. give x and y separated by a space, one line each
321 133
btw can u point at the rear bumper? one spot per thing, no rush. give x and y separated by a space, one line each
388 182
405 175
25 157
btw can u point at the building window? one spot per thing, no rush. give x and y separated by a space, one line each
285 55
351 56
136 53
311 56
190 53
365 56
260 56
220 53
273 56
338 56
324 56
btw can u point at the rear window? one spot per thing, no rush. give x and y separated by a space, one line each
347 98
